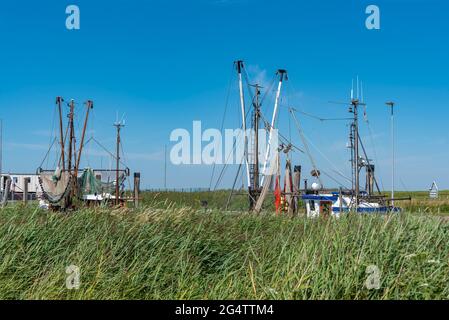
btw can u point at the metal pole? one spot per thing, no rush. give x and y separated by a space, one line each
391 105
393 155
117 167
165 167
242 105
254 172
256 142
356 154
118 125
281 74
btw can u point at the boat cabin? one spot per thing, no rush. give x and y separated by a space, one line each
332 204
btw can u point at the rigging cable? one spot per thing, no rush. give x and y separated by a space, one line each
335 169
222 123
306 146
374 149
48 152
367 160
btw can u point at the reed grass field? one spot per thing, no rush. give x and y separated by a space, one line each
169 249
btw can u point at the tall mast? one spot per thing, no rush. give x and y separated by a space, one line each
239 65
118 125
68 199
355 104
72 134
90 105
59 100
254 166
391 105
281 73
256 139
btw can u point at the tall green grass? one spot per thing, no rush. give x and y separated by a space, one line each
183 253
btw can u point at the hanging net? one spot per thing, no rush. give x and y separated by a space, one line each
55 185
99 183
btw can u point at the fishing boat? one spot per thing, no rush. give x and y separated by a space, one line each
371 200
264 174
67 184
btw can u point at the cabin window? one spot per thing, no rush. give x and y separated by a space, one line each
15 180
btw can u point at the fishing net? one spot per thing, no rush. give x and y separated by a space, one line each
99 182
272 172
55 185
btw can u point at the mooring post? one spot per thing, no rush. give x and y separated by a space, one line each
297 186
26 181
136 189
6 189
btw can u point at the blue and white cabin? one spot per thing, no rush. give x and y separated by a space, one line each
328 204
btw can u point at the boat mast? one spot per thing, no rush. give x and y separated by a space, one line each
391 105
72 134
256 139
281 73
90 105
254 167
355 104
59 100
68 201
119 126
239 65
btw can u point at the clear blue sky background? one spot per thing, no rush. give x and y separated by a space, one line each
166 63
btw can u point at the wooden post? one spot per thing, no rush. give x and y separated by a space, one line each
136 189
6 190
26 181
297 186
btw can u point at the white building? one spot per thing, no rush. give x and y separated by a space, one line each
18 181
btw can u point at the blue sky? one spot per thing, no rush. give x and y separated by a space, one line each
166 63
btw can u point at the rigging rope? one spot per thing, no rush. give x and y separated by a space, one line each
374 149
367 160
306 146
48 152
320 152
222 123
